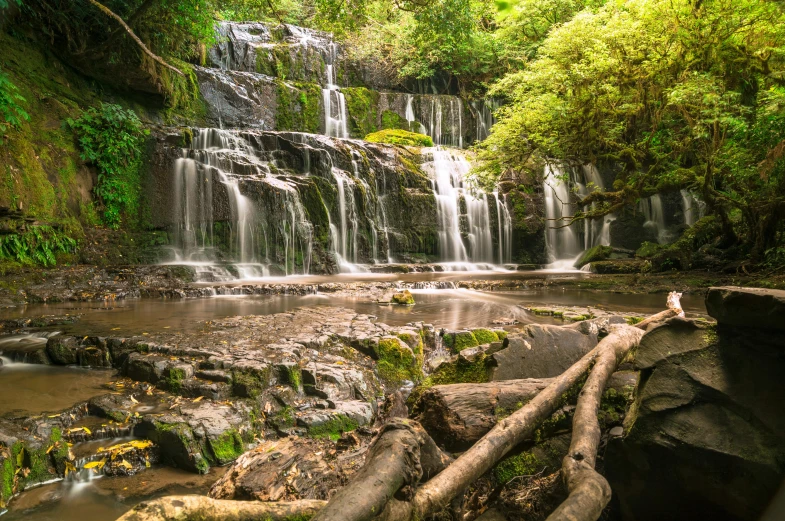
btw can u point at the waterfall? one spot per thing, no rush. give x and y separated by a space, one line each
692 207
463 215
335 115
504 223
238 243
562 242
655 217
484 117
450 107
565 243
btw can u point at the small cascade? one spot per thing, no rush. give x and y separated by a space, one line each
484 116
449 110
652 210
565 243
692 207
335 114
344 234
504 222
562 242
463 215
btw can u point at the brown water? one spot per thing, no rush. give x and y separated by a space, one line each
27 389
106 498
449 308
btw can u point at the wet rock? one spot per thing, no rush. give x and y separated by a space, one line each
332 423
541 351
707 437
747 307
288 469
62 350
404 298
197 435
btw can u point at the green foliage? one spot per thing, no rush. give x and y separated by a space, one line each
400 137
112 139
11 112
39 244
678 94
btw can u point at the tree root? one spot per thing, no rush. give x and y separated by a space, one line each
203 508
589 492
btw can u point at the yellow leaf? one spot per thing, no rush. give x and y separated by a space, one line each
87 431
126 464
134 400
96 464
198 399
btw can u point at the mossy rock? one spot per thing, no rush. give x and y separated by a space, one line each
361 105
333 427
597 253
457 341
227 447
391 120
485 336
400 137
647 250
404 298
398 362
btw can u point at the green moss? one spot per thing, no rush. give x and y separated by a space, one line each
298 107
174 380
392 119
457 341
361 105
404 298
334 427
294 377
633 320
183 98
462 371
597 253
398 362
250 384
485 336
400 137
6 481
523 464
227 447
647 249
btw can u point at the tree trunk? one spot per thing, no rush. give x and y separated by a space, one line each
399 457
589 492
203 508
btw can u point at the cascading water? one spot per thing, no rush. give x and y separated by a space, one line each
692 207
484 116
465 236
565 243
654 213
335 115
205 182
504 222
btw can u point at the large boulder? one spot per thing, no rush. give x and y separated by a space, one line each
542 351
705 438
747 307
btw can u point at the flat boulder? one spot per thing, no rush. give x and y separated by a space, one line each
747 307
542 351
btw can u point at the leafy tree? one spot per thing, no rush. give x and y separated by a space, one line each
679 94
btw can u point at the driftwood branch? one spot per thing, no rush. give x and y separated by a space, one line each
135 38
589 491
437 493
203 508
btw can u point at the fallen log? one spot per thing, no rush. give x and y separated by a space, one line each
203 508
437 493
401 454
457 415
589 492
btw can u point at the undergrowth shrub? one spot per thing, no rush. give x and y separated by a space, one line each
11 112
112 139
37 245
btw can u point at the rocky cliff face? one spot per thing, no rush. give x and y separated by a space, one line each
706 437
